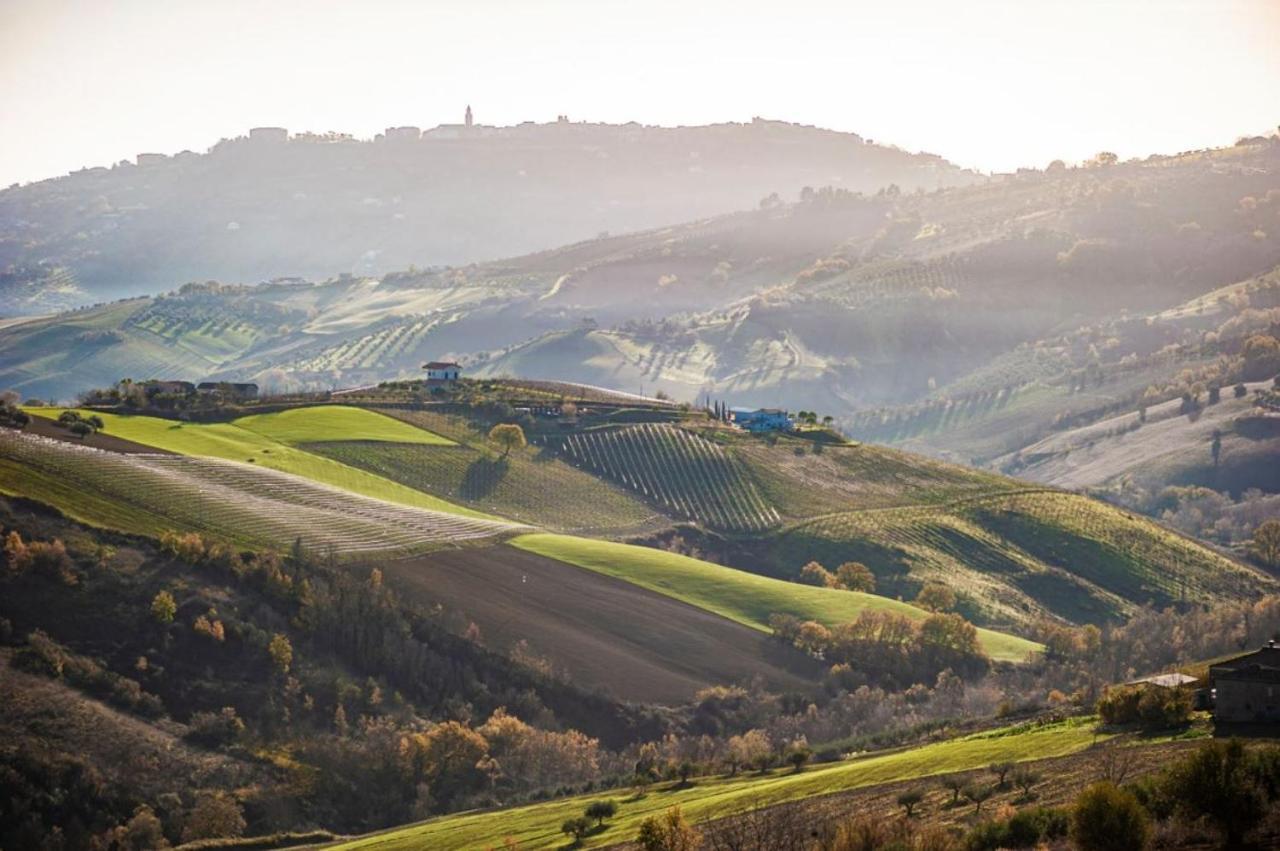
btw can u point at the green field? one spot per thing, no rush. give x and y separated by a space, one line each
235 442
519 487
336 422
744 597
538 825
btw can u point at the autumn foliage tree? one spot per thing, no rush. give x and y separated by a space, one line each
815 574
668 832
856 577
936 597
1266 543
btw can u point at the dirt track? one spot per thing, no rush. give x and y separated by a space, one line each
633 643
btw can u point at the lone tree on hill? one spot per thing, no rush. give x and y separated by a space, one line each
507 435
909 799
601 810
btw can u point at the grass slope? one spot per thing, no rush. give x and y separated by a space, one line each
744 597
544 492
236 443
538 825
337 422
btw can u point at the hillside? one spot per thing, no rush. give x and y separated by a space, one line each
538 826
1167 447
416 604
315 205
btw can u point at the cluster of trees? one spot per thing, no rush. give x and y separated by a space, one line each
268 650
1221 783
1149 706
883 647
1157 639
11 416
1203 512
851 576
48 558
80 426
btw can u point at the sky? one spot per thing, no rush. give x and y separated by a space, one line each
989 85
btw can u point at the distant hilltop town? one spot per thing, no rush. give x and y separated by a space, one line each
469 130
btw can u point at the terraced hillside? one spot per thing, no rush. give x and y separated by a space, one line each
254 506
679 470
1013 558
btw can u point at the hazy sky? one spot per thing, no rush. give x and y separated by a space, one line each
992 85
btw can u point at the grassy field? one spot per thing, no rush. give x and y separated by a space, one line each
538 826
518 487
234 442
328 422
744 597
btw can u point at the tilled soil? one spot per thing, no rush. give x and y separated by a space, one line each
634 644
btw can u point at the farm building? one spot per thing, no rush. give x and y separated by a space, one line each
445 371
761 419
1247 688
229 389
175 388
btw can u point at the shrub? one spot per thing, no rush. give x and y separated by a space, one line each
1216 782
1152 707
215 815
669 832
215 729
1164 708
1106 818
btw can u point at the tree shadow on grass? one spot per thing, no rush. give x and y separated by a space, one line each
483 477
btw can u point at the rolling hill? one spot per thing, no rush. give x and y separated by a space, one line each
1015 554
316 205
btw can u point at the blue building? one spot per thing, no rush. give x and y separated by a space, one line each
761 419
